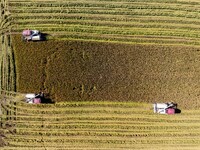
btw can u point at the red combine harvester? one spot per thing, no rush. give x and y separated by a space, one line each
31 35
33 98
165 108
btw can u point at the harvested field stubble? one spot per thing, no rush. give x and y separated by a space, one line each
97 130
75 70
174 22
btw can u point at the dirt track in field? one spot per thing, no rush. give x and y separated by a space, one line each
72 70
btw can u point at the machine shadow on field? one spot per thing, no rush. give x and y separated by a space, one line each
46 99
177 111
44 36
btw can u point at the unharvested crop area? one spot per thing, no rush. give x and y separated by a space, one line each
70 70
141 68
82 71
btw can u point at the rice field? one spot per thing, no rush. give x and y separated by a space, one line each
94 71
131 21
108 60
101 125
154 23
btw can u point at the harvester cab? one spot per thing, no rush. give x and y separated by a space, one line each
31 35
165 108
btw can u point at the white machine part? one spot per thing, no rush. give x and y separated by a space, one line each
164 108
36 38
35 32
160 108
162 111
31 35
30 97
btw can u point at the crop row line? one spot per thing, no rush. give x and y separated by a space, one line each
94 122
90 22
119 38
80 36
104 7
110 140
107 25
105 4
141 19
116 14
83 112
29 118
49 127
125 1
105 113
72 107
127 32
92 104
116 133
156 19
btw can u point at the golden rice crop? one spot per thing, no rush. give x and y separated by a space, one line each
87 71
